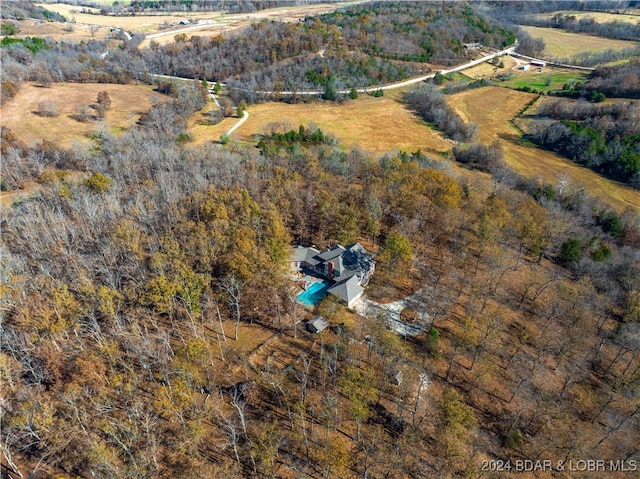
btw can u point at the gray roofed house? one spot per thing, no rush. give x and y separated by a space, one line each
349 268
348 290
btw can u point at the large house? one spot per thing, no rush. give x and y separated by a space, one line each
348 268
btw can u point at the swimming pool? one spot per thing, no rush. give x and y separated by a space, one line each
314 294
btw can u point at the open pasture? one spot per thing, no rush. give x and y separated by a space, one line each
599 17
493 108
377 125
560 43
128 102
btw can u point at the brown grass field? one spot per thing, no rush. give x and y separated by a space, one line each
493 107
128 102
377 125
59 31
217 22
600 17
559 43
487 70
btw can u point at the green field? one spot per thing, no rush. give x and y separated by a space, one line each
543 81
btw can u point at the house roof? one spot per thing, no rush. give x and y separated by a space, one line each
332 253
317 324
347 289
299 253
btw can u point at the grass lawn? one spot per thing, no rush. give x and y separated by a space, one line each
563 44
549 79
128 102
493 108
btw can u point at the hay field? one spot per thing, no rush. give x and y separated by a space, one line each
493 107
600 17
137 23
128 102
60 31
559 43
376 125
213 22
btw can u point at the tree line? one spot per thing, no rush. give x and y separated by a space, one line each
603 138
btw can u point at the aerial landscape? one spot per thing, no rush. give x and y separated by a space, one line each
318 239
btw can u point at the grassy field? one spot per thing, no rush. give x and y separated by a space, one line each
487 70
560 43
377 125
548 79
128 102
600 17
493 107
61 31
216 22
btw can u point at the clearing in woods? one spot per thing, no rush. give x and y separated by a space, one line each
492 108
563 44
599 17
128 102
377 125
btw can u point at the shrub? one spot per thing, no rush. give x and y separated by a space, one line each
10 29
98 183
570 251
48 108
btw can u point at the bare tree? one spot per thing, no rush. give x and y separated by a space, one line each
234 289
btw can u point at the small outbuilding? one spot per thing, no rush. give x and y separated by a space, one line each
317 324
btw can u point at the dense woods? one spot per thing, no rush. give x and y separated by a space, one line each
604 138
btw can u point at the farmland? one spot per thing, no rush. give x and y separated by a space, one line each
559 43
600 17
493 108
156 25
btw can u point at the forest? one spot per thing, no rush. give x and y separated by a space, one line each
603 138
354 48
121 294
149 327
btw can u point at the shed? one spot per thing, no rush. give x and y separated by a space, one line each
317 324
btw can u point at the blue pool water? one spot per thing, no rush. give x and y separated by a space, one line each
314 293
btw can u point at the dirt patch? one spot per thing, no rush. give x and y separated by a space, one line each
128 102
493 108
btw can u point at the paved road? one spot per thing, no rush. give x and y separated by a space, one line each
404 83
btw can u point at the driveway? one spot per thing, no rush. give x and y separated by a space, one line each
391 312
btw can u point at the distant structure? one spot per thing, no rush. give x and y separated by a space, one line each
472 46
524 67
349 268
538 63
